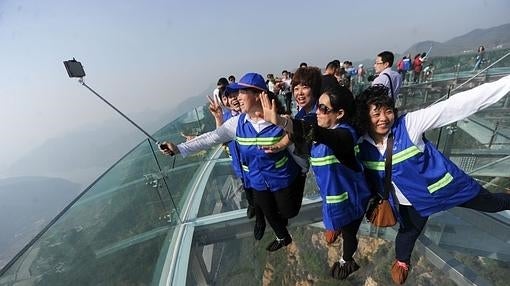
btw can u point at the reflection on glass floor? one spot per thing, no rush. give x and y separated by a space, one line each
224 251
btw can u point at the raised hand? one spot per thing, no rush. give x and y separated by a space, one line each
269 108
215 107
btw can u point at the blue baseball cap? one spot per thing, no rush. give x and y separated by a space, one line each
250 80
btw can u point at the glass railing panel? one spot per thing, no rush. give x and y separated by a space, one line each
463 65
415 96
479 241
224 192
192 123
179 171
306 261
495 271
112 235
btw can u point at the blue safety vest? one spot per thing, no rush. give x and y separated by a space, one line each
310 117
344 192
429 180
264 171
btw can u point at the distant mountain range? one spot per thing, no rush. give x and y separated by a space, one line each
491 38
495 37
27 205
84 154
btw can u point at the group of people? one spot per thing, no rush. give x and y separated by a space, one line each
407 66
344 140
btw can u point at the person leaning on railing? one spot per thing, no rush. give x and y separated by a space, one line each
268 166
424 180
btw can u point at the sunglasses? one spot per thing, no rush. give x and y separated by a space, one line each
324 109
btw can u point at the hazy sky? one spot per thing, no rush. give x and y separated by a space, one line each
145 55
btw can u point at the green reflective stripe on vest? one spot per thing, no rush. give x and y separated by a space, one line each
396 158
405 154
259 141
278 164
281 162
374 165
441 183
337 199
322 161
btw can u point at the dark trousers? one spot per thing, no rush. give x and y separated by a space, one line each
277 207
350 241
412 223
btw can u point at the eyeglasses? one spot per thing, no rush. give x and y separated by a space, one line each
378 63
324 109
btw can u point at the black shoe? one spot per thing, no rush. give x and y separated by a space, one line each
279 243
258 230
342 269
250 212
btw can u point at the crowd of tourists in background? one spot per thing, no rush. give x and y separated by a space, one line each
278 127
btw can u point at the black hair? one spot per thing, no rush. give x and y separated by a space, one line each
333 64
329 81
222 81
387 57
280 109
375 95
341 98
232 78
303 65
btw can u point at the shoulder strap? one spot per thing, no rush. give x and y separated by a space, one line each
388 186
391 85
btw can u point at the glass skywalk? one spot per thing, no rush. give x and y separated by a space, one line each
158 220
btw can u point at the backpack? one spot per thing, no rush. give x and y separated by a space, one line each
406 64
352 72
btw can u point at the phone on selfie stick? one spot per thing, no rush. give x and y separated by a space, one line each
75 70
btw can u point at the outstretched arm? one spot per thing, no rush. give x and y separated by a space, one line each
224 133
457 107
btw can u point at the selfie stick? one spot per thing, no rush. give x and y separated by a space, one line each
75 69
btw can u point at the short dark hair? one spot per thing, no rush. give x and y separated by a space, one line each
329 81
303 65
341 97
387 57
232 78
377 95
222 81
309 76
333 64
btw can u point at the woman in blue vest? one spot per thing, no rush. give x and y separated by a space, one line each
424 180
338 173
231 109
273 176
306 90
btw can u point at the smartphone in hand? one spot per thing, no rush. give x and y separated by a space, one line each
165 149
